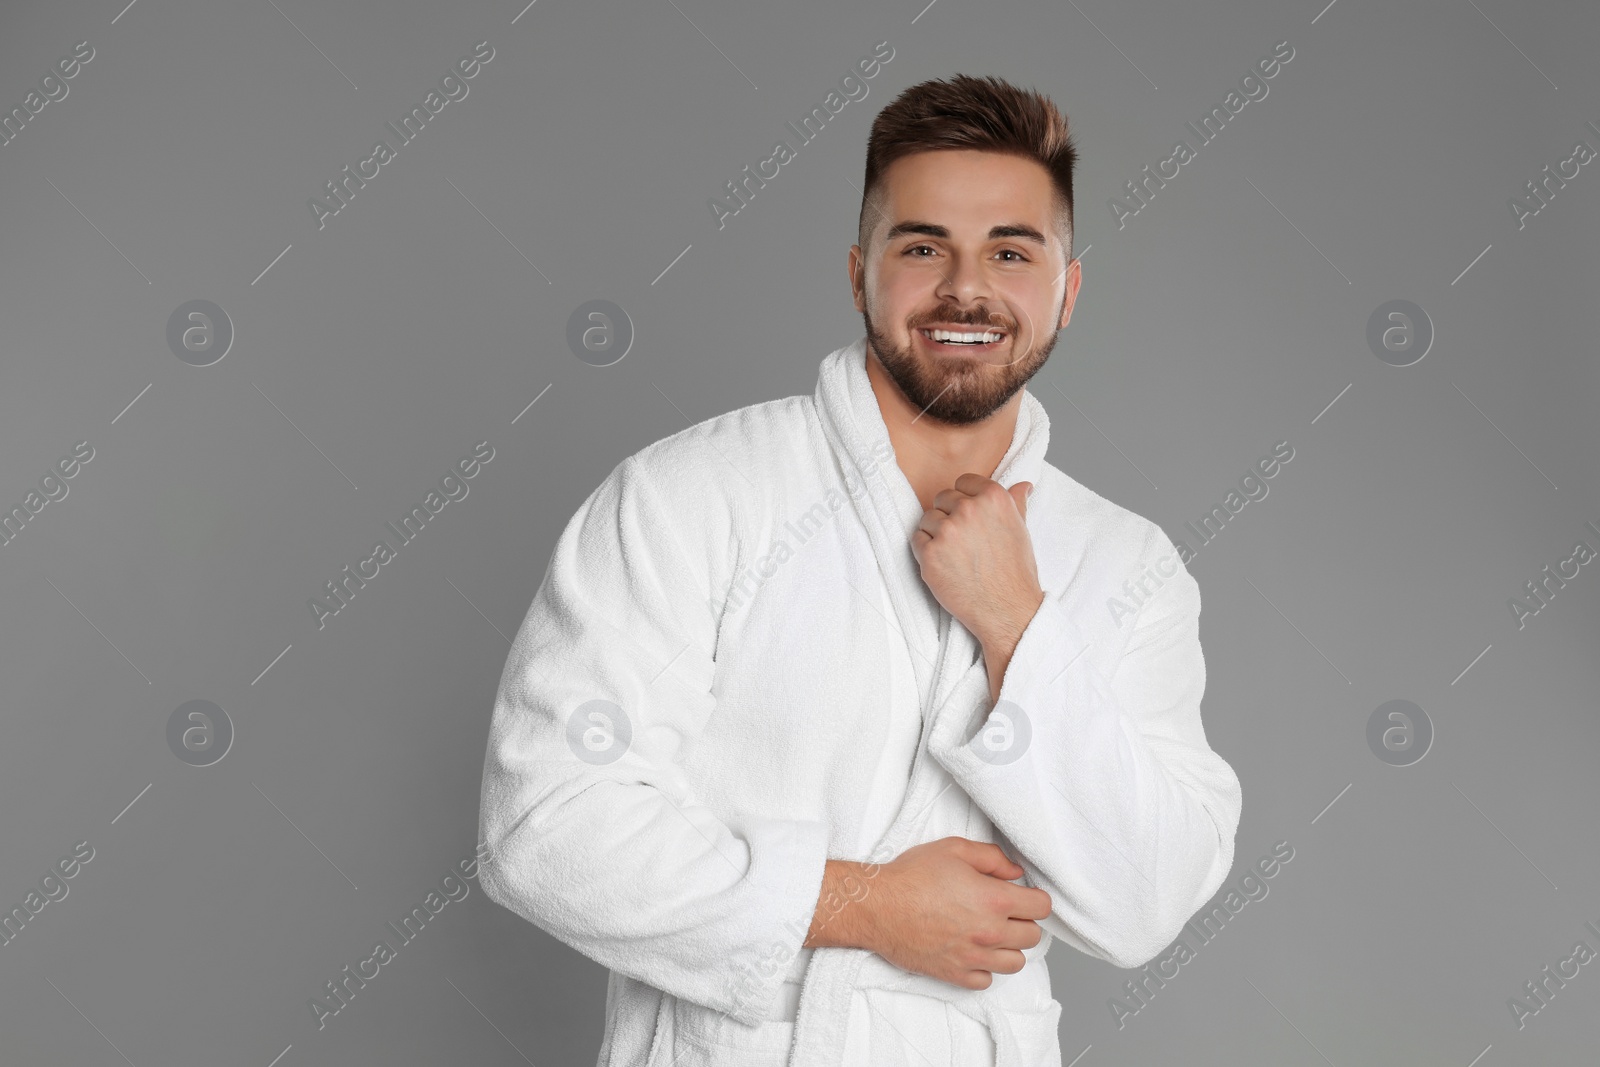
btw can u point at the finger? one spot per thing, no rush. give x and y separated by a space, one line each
972 484
1030 903
920 539
976 979
931 521
991 859
1021 934
947 499
1003 960
1020 493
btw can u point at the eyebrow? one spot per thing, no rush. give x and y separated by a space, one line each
929 229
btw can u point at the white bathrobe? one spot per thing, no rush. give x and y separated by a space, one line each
733 672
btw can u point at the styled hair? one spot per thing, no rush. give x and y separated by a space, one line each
985 114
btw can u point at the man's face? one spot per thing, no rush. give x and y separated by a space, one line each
968 241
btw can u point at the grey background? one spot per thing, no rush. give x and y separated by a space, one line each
373 354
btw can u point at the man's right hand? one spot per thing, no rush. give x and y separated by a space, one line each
948 909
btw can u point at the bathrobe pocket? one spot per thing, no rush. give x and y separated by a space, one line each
700 1037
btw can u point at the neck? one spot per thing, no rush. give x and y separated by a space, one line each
932 454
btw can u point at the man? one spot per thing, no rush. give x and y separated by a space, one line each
818 729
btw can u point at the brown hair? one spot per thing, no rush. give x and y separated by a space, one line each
986 114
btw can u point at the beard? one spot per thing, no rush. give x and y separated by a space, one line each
959 390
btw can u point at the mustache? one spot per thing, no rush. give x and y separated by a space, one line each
965 318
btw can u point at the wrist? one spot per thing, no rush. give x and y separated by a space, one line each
1002 639
844 912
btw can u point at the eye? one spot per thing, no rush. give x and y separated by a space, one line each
914 248
1012 251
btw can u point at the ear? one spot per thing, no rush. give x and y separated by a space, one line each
857 270
1074 280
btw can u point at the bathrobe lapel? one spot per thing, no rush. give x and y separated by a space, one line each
944 653
890 511
951 675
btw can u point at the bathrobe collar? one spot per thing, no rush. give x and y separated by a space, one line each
890 510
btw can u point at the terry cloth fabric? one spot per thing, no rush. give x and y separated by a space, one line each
733 672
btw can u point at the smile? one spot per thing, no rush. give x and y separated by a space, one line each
976 340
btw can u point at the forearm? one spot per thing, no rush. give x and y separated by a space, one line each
999 640
845 905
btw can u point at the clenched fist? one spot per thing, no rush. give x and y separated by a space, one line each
977 559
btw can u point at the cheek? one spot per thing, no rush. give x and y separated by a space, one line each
1028 305
899 294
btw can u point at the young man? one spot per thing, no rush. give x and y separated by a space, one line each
818 729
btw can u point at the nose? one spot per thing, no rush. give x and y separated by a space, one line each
965 284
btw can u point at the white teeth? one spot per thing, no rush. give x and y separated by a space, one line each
989 337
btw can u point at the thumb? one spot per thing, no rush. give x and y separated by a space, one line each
1020 492
991 859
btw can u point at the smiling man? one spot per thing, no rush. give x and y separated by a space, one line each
836 812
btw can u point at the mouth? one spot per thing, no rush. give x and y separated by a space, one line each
972 340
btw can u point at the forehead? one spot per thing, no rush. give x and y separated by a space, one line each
964 189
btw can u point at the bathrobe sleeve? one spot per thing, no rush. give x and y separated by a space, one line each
1118 808
597 835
